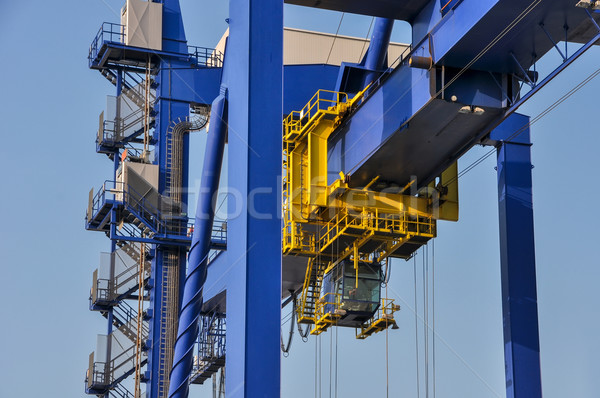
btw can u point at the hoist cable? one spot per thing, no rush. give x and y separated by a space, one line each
387 361
336 359
433 309
330 362
425 320
440 338
416 326
316 365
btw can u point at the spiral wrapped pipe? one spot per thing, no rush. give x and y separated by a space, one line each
198 255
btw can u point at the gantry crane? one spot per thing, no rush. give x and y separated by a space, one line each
368 167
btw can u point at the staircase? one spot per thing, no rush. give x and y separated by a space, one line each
140 222
102 377
132 90
123 285
121 392
125 321
311 291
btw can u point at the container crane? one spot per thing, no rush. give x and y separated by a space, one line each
369 166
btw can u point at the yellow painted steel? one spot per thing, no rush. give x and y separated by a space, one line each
383 319
329 223
324 319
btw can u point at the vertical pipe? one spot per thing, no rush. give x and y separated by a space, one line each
197 259
517 257
375 57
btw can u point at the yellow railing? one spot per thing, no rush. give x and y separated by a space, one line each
301 308
375 221
297 239
323 100
383 318
324 319
387 308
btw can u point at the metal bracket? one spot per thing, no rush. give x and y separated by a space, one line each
552 40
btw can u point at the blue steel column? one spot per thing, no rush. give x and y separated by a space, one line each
254 74
519 296
378 47
198 256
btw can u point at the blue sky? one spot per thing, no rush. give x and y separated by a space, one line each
48 111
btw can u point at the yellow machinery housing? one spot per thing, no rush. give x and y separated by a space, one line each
333 223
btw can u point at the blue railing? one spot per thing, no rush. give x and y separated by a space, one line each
210 344
146 212
115 33
203 56
109 33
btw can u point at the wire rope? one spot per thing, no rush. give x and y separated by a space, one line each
425 321
336 359
330 363
433 310
320 366
366 38
335 37
387 360
316 365
416 326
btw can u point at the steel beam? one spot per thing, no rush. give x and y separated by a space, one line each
517 255
253 73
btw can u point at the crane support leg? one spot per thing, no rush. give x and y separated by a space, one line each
253 73
519 295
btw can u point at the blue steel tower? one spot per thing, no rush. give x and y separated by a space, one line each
369 167
162 87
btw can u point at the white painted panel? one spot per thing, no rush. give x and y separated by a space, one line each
143 24
304 47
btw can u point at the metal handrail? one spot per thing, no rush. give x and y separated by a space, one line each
334 299
129 314
208 57
118 187
297 120
115 33
210 343
97 374
149 214
102 290
106 33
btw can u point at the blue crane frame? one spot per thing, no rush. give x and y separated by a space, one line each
250 270
519 298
